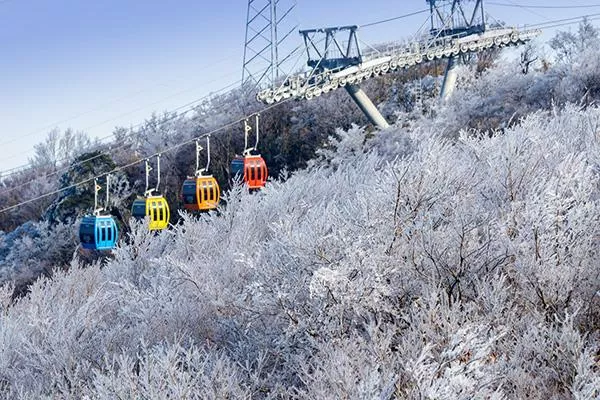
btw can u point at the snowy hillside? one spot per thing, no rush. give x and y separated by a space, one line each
452 256
411 266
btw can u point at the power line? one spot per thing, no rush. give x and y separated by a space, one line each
191 106
529 10
548 24
111 102
542 7
394 18
570 23
25 166
117 169
573 19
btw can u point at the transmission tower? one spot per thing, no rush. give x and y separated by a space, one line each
267 48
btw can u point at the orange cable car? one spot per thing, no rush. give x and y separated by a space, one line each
201 192
252 167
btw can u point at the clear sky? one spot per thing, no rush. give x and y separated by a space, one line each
93 65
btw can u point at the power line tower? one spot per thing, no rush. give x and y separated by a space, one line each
454 19
267 54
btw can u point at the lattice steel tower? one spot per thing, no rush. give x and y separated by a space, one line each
268 48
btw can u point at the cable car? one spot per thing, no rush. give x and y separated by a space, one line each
98 232
252 167
153 206
201 192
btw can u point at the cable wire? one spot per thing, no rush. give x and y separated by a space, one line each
394 18
573 19
191 106
543 7
111 102
138 161
548 24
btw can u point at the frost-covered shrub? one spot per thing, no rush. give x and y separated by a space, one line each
36 249
402 264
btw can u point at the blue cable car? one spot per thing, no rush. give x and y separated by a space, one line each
98 232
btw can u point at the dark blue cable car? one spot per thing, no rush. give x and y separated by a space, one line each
98 232
237 166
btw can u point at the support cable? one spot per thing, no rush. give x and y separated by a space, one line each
190 107
140 160
111 102
20 168
548 24
544 7
394 18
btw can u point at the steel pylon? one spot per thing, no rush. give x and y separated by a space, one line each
267 47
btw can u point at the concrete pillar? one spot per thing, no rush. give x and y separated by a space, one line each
449 79
367 106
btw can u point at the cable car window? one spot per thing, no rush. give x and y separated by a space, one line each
139 209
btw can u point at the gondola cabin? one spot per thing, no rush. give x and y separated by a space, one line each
201 193
98 232
156 208
253 168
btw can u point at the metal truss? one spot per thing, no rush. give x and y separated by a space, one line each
453 17
269 27
335 54
321 80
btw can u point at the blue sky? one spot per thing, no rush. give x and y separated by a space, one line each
94 65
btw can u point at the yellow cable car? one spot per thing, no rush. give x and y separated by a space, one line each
156 208
153 206
201 192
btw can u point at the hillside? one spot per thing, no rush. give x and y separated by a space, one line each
452 256
415 266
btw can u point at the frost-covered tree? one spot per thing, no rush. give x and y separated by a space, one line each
400 265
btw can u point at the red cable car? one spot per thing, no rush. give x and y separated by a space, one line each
252 167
